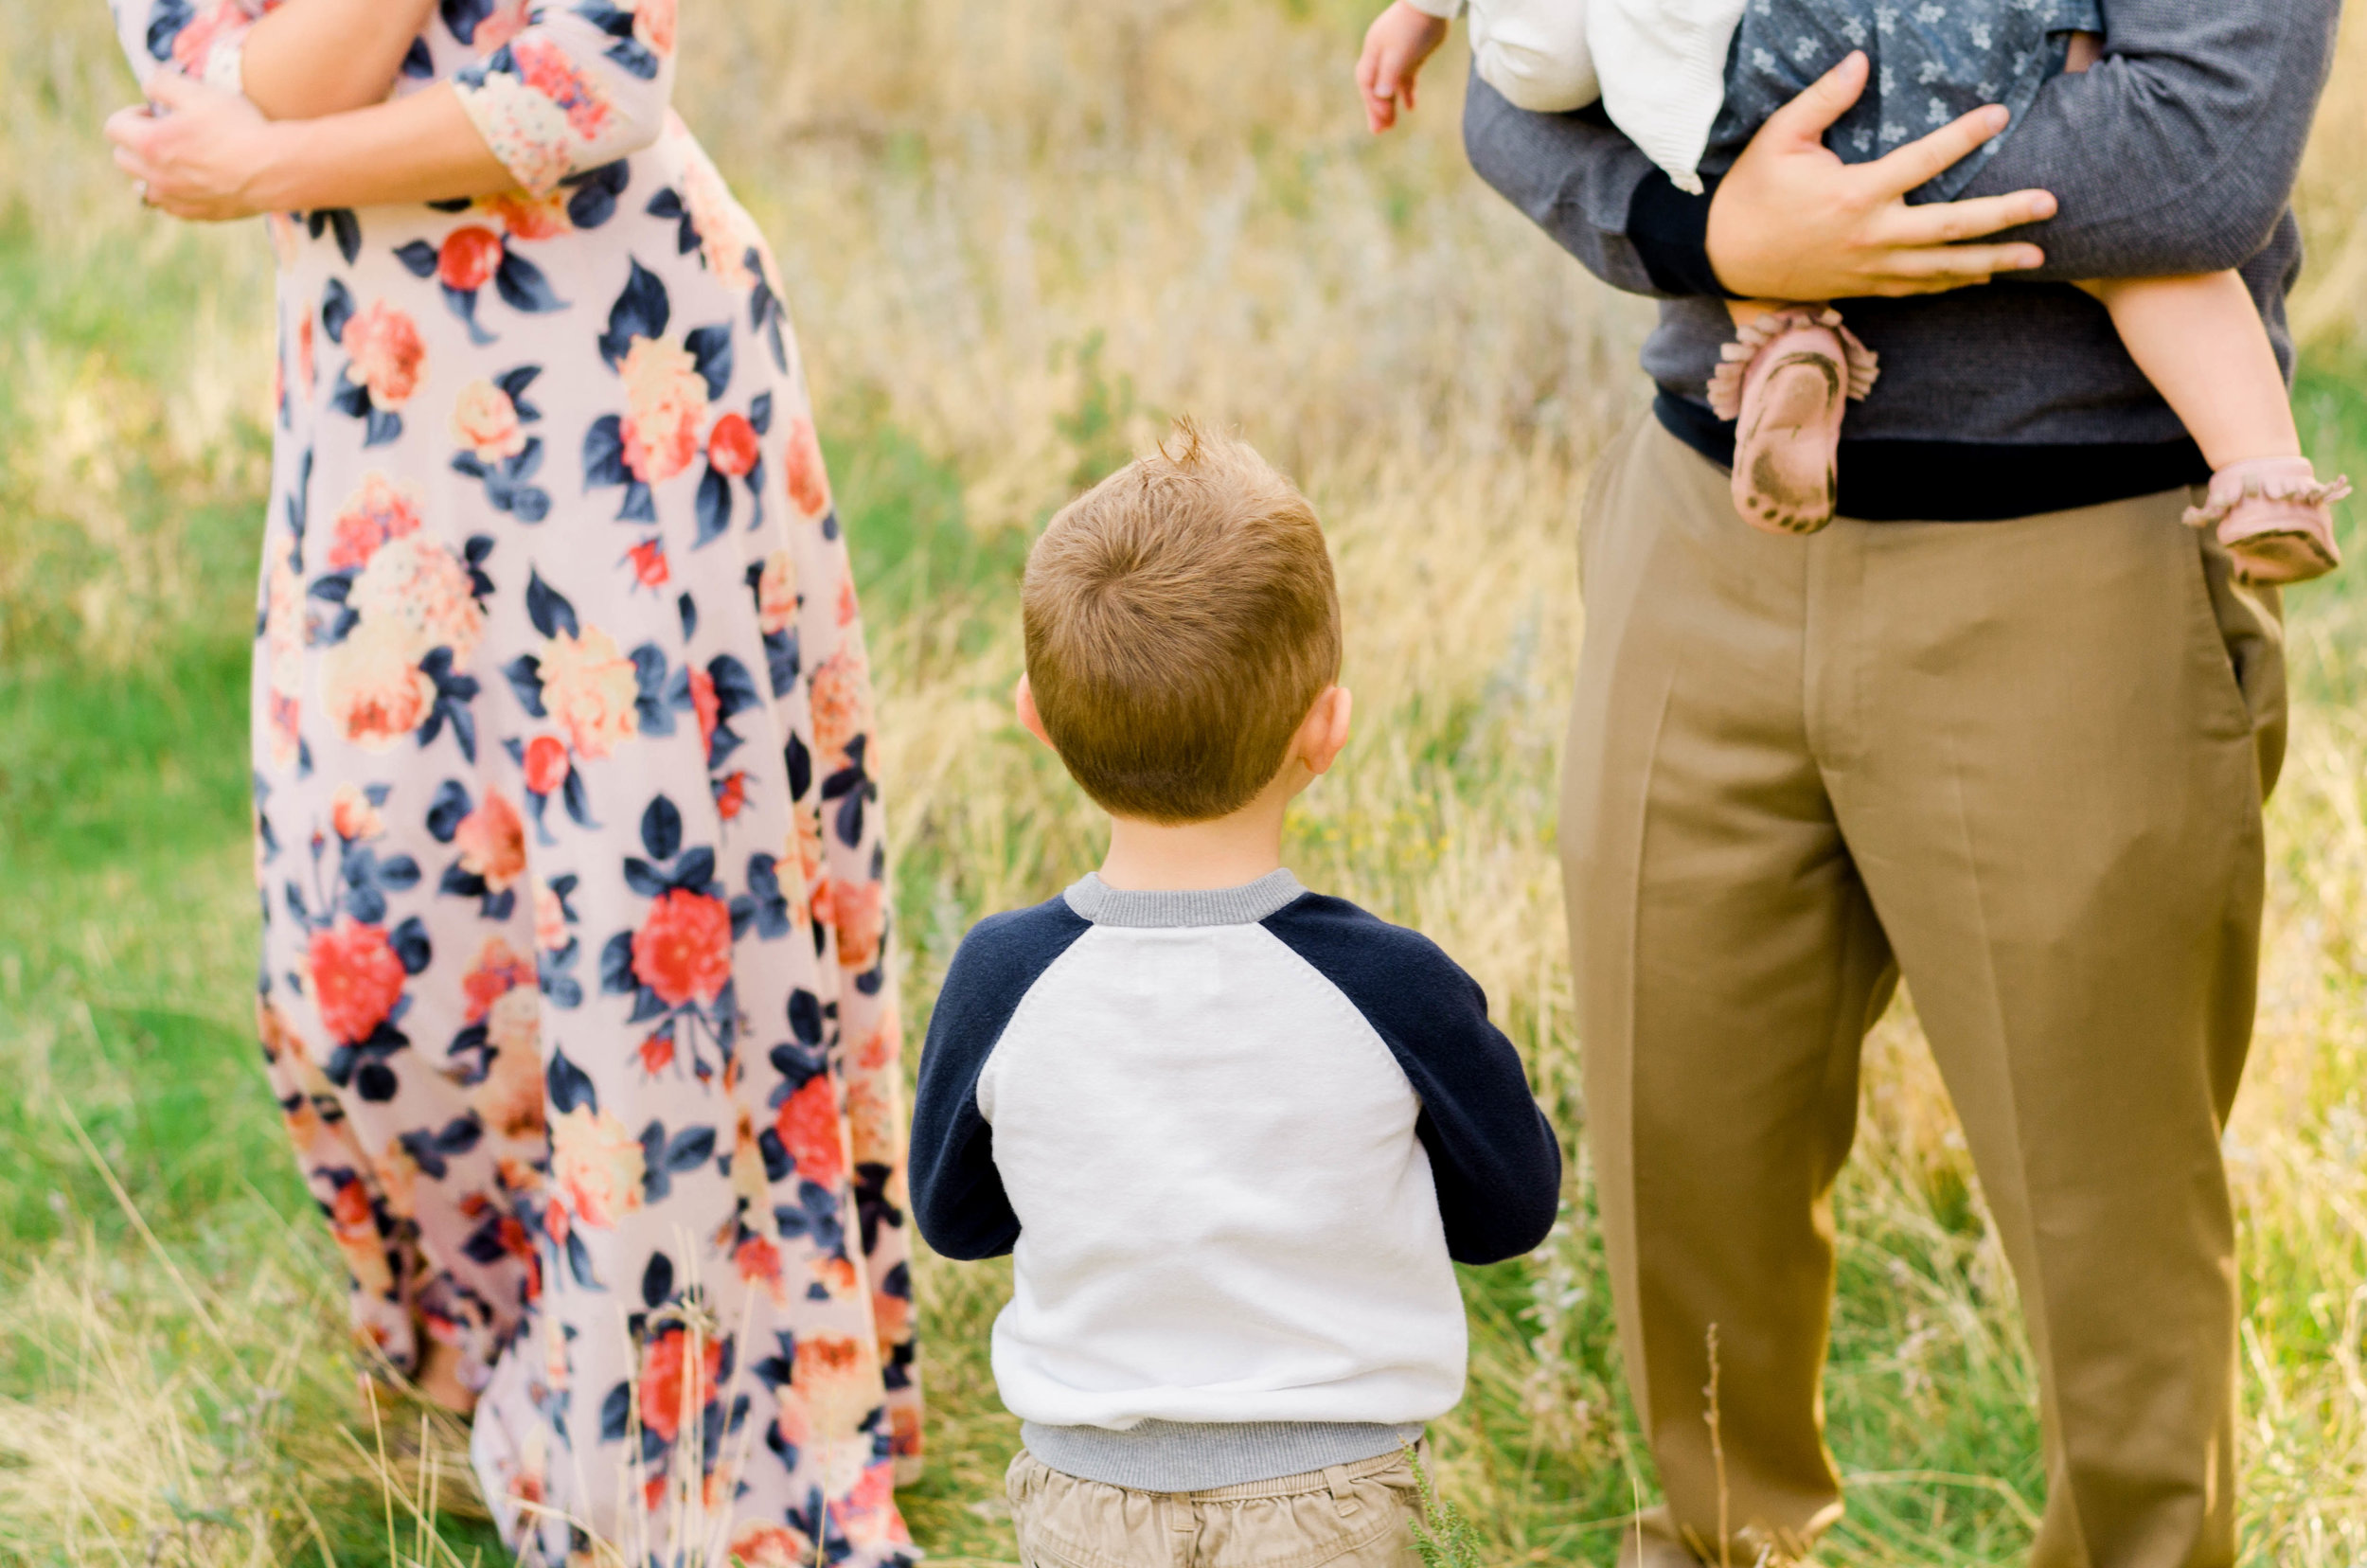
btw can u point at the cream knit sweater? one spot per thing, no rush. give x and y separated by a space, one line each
1659 67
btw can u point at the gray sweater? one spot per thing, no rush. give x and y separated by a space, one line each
2175 154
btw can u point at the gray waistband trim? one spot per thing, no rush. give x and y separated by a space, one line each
1096 900
1180 1456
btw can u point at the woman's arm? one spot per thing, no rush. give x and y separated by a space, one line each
309 57
581 85
212 155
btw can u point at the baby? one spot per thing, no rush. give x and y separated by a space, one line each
1689 81
1235 1133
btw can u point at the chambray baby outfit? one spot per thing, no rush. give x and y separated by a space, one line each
1689 81
1932 62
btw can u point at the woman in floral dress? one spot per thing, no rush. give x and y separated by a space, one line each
574 990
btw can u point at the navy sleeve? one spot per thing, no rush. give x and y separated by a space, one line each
1493 1153
959 1200
1591 190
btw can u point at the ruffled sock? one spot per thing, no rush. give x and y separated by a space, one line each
2275 518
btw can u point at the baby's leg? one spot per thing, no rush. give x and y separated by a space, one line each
2198 339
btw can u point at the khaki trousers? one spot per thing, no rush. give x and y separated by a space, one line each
2021 764
1358 1515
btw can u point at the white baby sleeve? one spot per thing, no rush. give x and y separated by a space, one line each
1534 52
1663 73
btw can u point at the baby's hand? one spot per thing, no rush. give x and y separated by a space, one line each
1398 41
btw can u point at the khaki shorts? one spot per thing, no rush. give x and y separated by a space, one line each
1350 1516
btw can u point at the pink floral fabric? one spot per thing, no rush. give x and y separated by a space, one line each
575 985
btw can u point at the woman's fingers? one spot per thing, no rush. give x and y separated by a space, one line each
172 90
1806 117
131 127
1926 158
134 164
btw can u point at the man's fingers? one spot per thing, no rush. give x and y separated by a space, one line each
1944 222
1806 117
1926 158
134 164
1965 263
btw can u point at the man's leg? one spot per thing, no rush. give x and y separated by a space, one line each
2047 742
1728 965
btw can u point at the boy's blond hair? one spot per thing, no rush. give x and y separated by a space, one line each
1181 621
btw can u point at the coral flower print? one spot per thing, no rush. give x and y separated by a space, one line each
521 216
776 593
465 261
858 910
653 25
546 764
807 485
668 402
561 743
357 979
732 446
378 511
669 1389
492 843
372 687
842 702
832 1375
648 564
808 1129
726 234
486 421
683 951
590 689
551 75
596 1167
354 813
416 583
388 355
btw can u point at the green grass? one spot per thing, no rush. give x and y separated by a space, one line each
1001 276
124 958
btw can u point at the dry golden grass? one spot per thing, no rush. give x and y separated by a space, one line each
1020 234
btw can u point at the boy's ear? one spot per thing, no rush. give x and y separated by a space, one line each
1023 699
1324 734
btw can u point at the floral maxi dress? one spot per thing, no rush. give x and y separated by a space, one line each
574 987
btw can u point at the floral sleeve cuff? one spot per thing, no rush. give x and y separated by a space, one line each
581 86
205 43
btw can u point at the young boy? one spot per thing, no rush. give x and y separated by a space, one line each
1232 1131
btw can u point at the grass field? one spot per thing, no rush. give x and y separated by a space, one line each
1016 236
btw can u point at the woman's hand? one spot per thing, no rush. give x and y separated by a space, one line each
197 151
1791 221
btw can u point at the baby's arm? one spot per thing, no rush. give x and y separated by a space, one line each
1399 40
311 58
2199 340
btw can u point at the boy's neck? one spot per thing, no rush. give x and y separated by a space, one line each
1227 852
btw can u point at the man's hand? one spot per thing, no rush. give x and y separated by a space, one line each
1396 45
1791 221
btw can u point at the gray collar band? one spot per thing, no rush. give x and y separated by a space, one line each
1096 900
